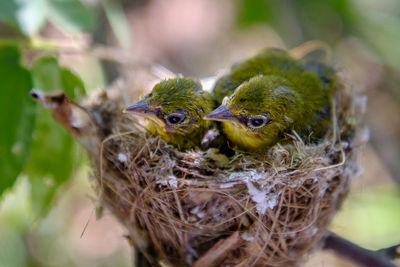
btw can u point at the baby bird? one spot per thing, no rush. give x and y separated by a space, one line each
268 61
261 110
175 110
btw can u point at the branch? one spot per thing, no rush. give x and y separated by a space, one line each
390 252
362 256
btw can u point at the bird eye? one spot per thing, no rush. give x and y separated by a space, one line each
258 122
175 118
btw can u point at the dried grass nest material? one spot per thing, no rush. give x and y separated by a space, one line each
201 209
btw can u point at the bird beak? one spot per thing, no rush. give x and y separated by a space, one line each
140 108
143 109
221 114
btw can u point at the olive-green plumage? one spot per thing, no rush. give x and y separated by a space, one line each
175 110
267 61
271 95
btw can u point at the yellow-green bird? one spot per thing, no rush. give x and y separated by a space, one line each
273 99
267 61
175 110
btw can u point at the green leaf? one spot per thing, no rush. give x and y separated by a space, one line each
49 76
52 161
28 16
71 15
17 116
54 153
46 74
72 84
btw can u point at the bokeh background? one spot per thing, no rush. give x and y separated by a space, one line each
47 207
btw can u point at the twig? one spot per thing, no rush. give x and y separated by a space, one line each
362 256
390 252
219 250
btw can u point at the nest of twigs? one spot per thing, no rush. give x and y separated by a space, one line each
201 208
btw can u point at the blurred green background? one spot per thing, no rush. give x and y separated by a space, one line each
82 46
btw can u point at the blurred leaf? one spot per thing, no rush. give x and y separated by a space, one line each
91 73
282 16
254 11
49 76
51 163
46 74
117 19
340 8
28 16
382 30
71 15
54 153
16 205
17 116
12 248
371 218
71 82
299 21
326 20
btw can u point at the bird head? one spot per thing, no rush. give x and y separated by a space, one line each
258 112
175 108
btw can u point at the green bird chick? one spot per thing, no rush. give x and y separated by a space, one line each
270 61
175 110
263 109
267 61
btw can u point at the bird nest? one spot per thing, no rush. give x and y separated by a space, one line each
201 208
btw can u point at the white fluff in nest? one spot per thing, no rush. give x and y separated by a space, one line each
122 157
196 211
248 236
169 180
252 175
263 200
